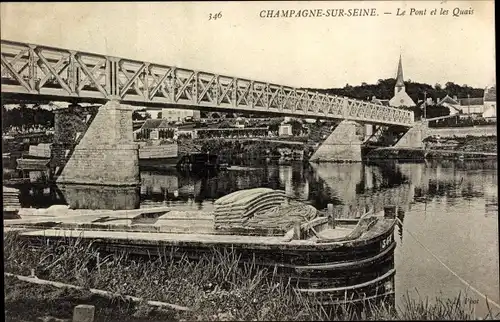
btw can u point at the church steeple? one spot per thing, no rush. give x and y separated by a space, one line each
400 84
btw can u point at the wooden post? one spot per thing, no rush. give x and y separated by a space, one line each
331 216
296 231
390 212
83 313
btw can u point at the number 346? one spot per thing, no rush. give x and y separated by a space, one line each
214 16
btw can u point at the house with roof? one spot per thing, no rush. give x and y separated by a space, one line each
480 106
155 129
452 103
472 105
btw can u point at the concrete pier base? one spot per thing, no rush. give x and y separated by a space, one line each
106 154
343 144
79 196
414 137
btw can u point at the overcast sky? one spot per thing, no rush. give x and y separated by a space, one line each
304 52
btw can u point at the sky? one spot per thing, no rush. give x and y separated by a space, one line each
318 52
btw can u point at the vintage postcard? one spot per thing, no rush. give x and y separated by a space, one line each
229 161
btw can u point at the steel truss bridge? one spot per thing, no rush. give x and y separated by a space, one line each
47 73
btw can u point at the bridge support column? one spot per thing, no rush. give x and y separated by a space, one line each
369 129
343 144
106 154
414 137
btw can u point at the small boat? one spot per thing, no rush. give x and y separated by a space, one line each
332 260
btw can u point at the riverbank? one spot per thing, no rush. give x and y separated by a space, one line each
457 148
214 288
486 144
233 151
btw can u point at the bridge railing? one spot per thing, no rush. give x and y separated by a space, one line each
29 69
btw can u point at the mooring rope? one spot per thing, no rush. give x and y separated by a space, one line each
449 269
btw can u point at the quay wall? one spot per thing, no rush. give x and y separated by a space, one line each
486 130
159 151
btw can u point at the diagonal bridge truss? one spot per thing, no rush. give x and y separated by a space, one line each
60 74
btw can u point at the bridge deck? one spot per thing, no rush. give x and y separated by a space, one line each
31 71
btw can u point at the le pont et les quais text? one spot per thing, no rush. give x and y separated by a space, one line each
369 12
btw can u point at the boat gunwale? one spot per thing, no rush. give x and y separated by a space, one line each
381 279
255 242
347 264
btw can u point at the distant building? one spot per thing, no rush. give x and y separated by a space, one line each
490 102
472 105
155 129
174 114
452 103
285 130
401 98
481 106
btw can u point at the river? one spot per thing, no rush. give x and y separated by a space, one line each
449 209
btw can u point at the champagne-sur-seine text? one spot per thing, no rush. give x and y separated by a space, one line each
306 13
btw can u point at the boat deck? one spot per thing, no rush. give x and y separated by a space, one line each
151 225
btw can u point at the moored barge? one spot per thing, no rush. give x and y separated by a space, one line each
333 260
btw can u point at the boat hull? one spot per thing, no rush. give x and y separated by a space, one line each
354 270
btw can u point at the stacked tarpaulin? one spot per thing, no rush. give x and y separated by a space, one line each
235 209
283 217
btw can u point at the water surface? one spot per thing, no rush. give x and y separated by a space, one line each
449 209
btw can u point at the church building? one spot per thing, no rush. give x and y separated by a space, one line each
401 98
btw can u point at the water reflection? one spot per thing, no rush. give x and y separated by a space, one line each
339 184
347 186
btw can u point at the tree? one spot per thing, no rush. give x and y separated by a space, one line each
384 89
296 126
137 116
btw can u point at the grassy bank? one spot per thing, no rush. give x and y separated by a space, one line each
215 288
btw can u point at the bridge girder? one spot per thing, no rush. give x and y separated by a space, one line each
40 72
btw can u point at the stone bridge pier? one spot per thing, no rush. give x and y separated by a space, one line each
105 153
343 144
